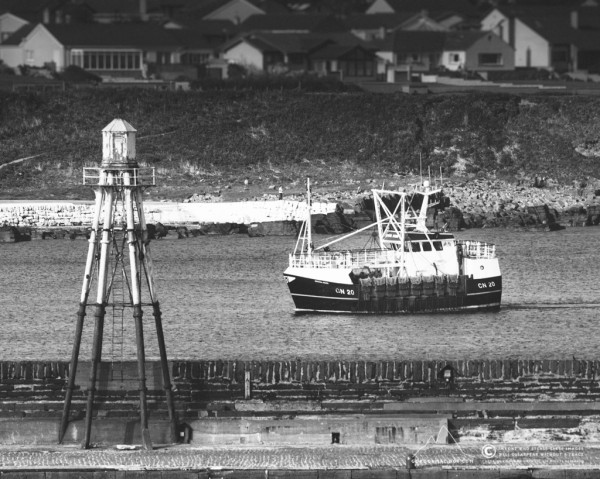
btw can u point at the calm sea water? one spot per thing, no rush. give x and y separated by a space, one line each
226 298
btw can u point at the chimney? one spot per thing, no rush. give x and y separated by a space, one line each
574 19
143 10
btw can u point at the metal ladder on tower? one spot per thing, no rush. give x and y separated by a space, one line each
120 299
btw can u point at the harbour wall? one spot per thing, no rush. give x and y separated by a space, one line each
21 221
67 214
302 402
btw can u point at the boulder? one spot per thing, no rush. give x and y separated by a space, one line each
156 231
273 228
9 234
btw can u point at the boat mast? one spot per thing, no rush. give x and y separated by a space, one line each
403 207
308 218
422 218
378 201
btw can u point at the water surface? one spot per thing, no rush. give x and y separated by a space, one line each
226 298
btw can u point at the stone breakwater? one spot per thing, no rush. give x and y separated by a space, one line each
68 214
489 203
474 203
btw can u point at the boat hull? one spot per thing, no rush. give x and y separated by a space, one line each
315 295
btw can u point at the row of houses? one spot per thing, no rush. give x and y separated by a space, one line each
383 43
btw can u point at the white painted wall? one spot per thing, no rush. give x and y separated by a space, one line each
12 56
527 39
452 63
41 47
245 54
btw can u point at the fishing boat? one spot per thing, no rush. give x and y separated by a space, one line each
405 268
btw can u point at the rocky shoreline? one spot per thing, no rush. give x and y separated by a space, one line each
472 203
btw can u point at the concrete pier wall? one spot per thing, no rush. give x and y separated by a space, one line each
297 402
53 214
198 382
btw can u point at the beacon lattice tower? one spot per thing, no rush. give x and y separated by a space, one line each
118 269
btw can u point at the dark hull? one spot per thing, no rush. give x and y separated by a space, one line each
468 294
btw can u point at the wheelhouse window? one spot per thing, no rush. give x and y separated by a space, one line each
490 59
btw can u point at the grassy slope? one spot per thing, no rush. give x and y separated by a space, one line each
204 141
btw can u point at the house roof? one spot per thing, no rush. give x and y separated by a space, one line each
293 22
283 42
30 10
200 9
553 23
462 40
458 6
297 42
589 18
137 35
586 39
335 51
125 7
363 21
195 39
17 37
207 27
404 41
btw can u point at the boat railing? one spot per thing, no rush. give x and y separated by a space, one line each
343 259
477 249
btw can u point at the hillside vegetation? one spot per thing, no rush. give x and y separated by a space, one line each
206 141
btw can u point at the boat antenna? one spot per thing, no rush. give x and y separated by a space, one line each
429 173
421 168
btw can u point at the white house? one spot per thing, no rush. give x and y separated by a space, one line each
246 52
9 24
108 50
543 37
32 45
476 51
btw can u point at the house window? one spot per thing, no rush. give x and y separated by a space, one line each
454 57
29 57
107 60
163 58
77 58
356 68
194 58
491 59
